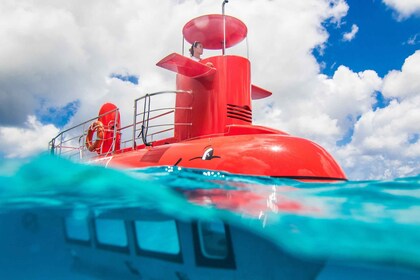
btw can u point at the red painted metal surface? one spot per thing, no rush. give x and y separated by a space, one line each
222 100
112 123
254 154
251 129
259 93
185 66
208 30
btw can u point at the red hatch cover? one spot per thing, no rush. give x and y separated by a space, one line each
208 30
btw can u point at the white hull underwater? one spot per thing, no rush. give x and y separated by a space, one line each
143 244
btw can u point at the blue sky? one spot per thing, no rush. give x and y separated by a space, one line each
381 44
344 73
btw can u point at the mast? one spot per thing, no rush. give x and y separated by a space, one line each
224 26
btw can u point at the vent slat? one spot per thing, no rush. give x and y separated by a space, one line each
242 113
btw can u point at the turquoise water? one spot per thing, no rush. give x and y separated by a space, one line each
376 221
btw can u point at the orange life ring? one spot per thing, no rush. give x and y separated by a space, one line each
99 128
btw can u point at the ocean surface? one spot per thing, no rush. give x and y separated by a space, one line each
375 221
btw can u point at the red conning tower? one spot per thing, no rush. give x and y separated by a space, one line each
213 117
221 85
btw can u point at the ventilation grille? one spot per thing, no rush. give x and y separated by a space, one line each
242 113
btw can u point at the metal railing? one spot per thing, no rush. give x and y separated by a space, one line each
148 114
70 143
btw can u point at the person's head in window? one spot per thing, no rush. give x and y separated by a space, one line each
196 50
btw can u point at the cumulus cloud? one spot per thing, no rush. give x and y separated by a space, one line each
404 8
28 140
405 83
385 143
58 54
352 34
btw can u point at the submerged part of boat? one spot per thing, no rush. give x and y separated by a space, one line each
211 125
85 222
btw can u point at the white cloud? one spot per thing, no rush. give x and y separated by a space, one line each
385 142
405 8
337 11
330 109
26 141
352 34
54 52
405 83
413 40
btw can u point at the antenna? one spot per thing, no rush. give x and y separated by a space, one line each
224 25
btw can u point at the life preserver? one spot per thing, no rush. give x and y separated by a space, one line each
110 118
99 128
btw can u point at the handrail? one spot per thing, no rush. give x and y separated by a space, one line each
170 108
163 92
83 123
81 147
146 110
71 141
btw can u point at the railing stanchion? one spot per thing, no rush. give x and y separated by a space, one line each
115 136
135 124
61 143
